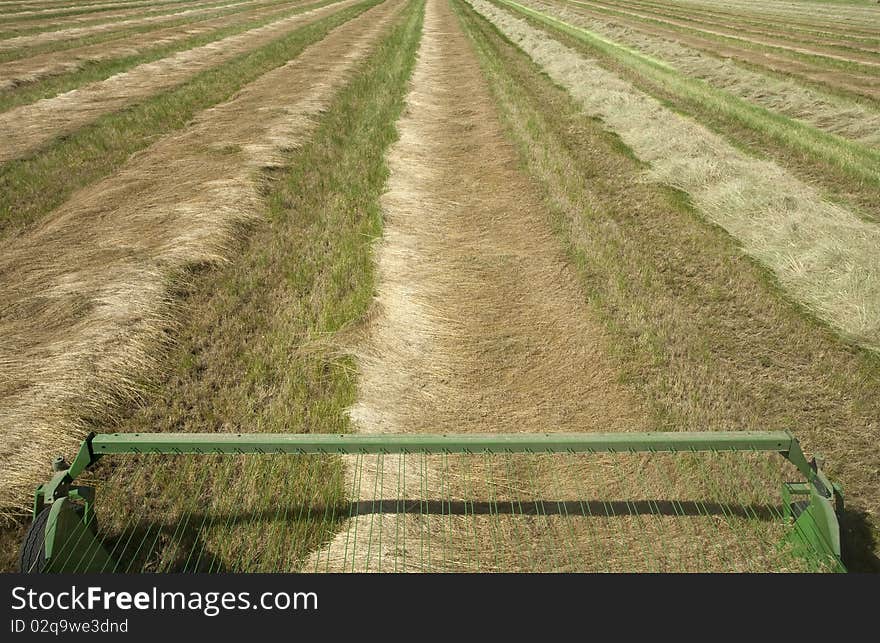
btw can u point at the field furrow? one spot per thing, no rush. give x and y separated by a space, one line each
44 120
98 287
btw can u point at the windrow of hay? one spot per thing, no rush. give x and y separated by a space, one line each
30 126
770 43
819 109
859 82
479 327
822 254
808 12
746 23
61 19
28 70
43 37
86 294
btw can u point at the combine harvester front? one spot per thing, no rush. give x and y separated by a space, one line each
675 501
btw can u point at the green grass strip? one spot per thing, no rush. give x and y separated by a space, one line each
29 188
101 70
854 160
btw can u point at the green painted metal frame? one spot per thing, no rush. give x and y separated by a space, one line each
815 519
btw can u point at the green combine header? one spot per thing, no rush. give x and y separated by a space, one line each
676 501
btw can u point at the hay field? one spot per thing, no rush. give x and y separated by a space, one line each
450 216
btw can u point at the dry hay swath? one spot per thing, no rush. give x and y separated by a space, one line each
823 254
29 126
824 111
755 40
111 9
86 294
34 68
44 37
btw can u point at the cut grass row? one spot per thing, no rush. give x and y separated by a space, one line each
85 10
102 69
819 154
847 118
126 31
830 62
41 26
740 22
29 188
701 331
245 354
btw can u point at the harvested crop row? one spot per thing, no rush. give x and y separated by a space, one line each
825 111
846 16
29 70
772 44
821 253
86 294
30 126
85 8
86 15
848 170
19 42
782 29
697 326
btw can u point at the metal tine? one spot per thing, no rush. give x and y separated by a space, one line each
678 507
562 510
129 529
376 488
182 522
210 516
355 486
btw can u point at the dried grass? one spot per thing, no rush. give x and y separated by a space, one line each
822 254
44 37
29 126
772 43
86 294
825 111
479 326
53 63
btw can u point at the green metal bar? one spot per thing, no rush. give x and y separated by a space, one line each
290 443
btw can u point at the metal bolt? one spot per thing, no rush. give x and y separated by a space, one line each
58 464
